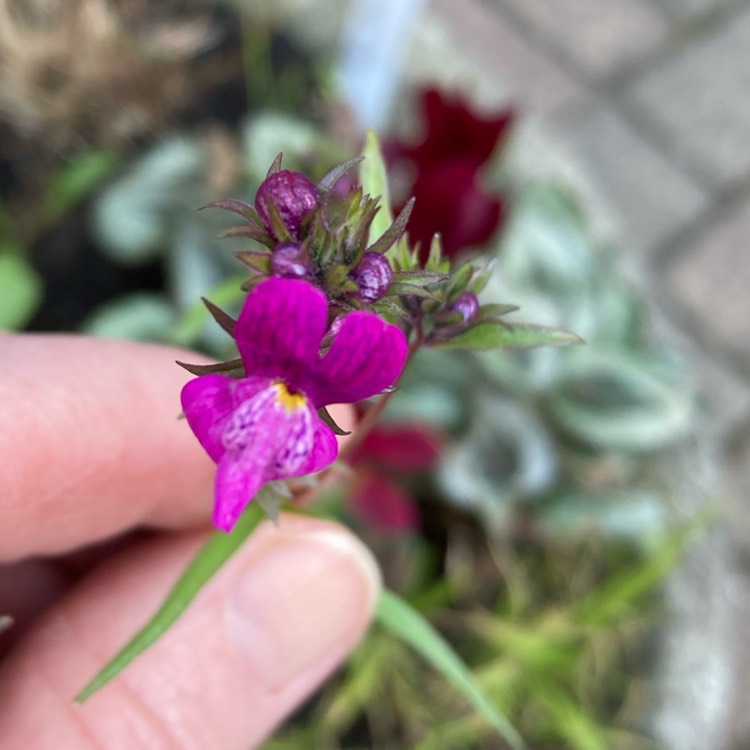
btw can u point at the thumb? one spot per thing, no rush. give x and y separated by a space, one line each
278 618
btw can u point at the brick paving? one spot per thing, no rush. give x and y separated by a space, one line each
649 100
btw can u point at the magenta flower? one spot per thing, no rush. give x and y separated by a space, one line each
265 426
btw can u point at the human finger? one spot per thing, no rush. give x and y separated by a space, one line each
257 640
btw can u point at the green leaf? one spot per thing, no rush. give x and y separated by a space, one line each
374 182
20 290
407 624
497 335
76 180
214 553
617 400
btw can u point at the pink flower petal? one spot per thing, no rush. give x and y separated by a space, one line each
208 401
280 329
265 438
366 356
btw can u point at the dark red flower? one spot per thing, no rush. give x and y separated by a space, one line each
449 201
442 172
386 459
454 130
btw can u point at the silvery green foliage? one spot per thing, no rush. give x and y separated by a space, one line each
573 431
149 213
140 316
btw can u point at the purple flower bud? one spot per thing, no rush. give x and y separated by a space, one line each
373 275
289 262
293 194
467 304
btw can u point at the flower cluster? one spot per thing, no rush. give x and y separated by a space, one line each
330 317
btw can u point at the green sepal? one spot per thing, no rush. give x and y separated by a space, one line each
394 232
226 321
270 498
245 210
209 560
234 368
277 223
492 310
389 306
257 260
324 414
420 277
249 232
501 335
328 182
275 165
404 289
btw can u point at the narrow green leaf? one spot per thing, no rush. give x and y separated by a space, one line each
20 290
498 335
374 182
407 624
77 179
214 553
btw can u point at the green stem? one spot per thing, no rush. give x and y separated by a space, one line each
214 553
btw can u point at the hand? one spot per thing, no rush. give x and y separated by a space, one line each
91 448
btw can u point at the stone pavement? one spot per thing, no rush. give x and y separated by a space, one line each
649 101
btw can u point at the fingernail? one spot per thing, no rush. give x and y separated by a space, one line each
305 596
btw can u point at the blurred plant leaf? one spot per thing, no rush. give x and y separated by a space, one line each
401 620
615 400
501 335
374 182
21 289
76 180
630 513
135 317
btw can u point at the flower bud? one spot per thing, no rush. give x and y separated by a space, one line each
288 262
293 195
467 305
373 276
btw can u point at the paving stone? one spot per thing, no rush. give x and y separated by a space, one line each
646 196
712 278
599 36
483 40
688 10
700 100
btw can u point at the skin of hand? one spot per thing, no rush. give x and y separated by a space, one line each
91 449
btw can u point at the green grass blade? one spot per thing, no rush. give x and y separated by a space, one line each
407 624
214 553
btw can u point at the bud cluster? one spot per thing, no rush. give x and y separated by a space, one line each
313 233
309 231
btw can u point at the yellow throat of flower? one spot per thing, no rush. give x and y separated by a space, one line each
290 401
